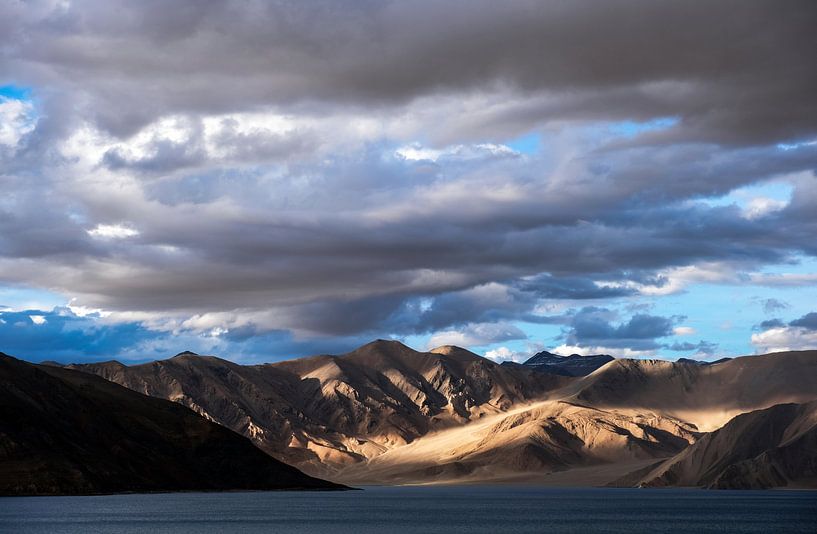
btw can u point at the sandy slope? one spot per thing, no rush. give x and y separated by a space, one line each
767 448
706 396
541 438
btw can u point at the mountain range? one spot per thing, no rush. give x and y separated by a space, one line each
327 412
388 414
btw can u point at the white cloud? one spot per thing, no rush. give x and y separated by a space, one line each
761 206
476 335
683 330
84 311
215 332
784 339
452 337
795 146
112 231
16 120
567 350
678 278
504 354
37 319
416 152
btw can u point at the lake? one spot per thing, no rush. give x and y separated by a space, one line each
450 510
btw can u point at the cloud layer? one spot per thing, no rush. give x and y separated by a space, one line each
284 171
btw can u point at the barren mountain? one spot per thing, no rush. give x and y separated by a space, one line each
66 432
325 412
527 444
705 395
766 448
385 413
573 365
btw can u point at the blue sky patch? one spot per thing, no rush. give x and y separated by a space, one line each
15 92
527 144
633 128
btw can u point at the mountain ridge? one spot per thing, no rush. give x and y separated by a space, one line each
379 410
325 412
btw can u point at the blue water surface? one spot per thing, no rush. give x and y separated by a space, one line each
420 509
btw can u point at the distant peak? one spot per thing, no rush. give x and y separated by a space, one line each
573 365
384 343
382 347
186 353
548 354
545 354
701 362
379 341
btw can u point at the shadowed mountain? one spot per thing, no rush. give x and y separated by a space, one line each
67 432
767 448
573 365
325 412
702 362
705 395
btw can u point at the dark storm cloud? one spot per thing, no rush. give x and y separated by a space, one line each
408 315
771 323
593 327
620 59
223 262
34 224
641 326
571 287
320 228
808 321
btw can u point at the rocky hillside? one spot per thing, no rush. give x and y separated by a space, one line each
769 448
705 395
526 444
66 432
326 412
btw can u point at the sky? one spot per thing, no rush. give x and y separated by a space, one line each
267 180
